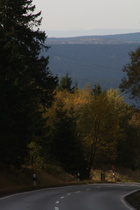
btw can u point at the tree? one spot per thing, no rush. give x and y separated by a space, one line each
128 150
99 127
64 146
97 90
26 84
131 83
65 84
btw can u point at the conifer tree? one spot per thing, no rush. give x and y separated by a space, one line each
97 90
26 84
65 84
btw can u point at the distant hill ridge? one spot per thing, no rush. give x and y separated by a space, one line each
129 38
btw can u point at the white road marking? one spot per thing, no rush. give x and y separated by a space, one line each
77 192
62 197
88 189
57 202
68 193
56 208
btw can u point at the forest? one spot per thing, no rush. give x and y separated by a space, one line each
46 120
92 128
90 63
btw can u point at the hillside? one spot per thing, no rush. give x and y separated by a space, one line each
130 38
91 63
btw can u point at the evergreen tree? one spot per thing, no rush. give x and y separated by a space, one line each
26 84
65 84
97 90
65 145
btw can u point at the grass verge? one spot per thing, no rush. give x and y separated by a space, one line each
15 181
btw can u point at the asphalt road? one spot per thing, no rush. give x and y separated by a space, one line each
78 197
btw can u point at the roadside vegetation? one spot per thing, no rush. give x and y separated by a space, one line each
15 181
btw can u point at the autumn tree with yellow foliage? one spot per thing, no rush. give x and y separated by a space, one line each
99 125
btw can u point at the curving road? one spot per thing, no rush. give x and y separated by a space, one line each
79 197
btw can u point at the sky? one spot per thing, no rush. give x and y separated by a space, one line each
88 17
